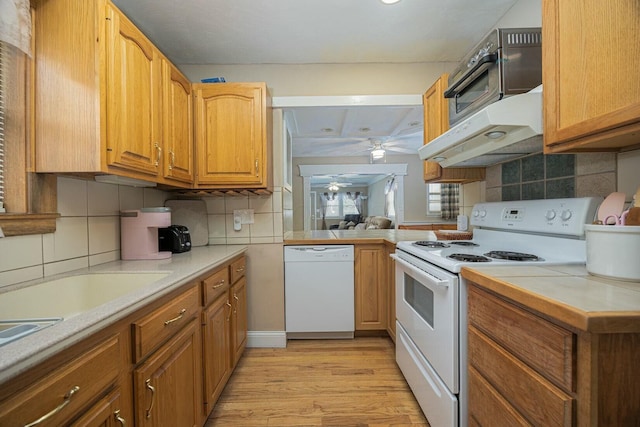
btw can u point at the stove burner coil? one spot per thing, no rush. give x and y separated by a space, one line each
469 258
513 256
431 244
464 243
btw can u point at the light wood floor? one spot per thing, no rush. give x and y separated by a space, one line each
319 383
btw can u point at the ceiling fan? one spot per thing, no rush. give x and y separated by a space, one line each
336 186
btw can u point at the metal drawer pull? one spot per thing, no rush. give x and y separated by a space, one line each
220 283
118 418
159 151
148 385
175 319
60 407
240 269
229 316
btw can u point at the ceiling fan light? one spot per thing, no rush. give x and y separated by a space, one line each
377 154
389 1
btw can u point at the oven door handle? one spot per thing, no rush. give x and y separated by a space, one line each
451 91
421 274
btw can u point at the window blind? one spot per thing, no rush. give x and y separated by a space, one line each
4 58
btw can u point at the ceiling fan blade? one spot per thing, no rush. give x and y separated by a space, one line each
402 150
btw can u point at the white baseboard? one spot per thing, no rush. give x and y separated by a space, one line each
267 339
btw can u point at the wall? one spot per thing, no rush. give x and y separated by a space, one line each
87 232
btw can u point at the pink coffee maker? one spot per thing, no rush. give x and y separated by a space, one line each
139 233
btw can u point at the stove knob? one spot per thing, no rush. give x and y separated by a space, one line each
476 213
551 214
483 213
565 215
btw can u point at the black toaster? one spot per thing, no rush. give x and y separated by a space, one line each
175 238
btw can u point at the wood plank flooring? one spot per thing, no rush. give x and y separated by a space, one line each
319 383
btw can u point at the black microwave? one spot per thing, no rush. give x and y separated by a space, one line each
508 61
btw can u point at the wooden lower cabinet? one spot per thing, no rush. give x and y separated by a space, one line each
239 320
168 385
526 368
216 345
370 277
105 413
224 326
66 392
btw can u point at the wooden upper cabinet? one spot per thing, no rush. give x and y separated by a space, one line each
233 136
134 97
591 58
104 100
177 124
436 122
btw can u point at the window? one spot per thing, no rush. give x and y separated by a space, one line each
434 206
339 205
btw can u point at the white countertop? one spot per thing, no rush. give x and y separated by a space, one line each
19 355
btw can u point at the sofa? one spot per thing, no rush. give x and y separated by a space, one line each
369 223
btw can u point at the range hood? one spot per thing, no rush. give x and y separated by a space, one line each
503 130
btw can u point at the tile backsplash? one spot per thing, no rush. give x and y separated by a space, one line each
87 232
553 176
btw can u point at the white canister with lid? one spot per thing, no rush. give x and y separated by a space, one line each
613 251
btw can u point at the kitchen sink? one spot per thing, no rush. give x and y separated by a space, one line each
71 295
11 330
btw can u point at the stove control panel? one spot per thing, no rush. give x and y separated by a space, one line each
554 216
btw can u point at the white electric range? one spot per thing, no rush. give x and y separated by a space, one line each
431 297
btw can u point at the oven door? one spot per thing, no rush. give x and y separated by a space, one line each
427 307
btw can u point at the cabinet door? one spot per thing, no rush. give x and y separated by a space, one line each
436 122
133 97
370 287
239 325
216 344
590 59
177 129
105 413
168 387
231 134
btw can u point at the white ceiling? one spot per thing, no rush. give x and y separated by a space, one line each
322 31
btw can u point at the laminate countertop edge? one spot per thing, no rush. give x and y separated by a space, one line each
20 355
567 294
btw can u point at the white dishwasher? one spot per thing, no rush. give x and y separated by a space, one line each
319 292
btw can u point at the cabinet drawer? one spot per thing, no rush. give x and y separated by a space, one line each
237 269
487 407
160 324
532 395
547 348
65 392
215 285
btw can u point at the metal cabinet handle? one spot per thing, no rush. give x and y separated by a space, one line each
236 305
230 307
220 283
60 407
175 319
159 153
172 159
257 168
148 385
240 269
118 418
